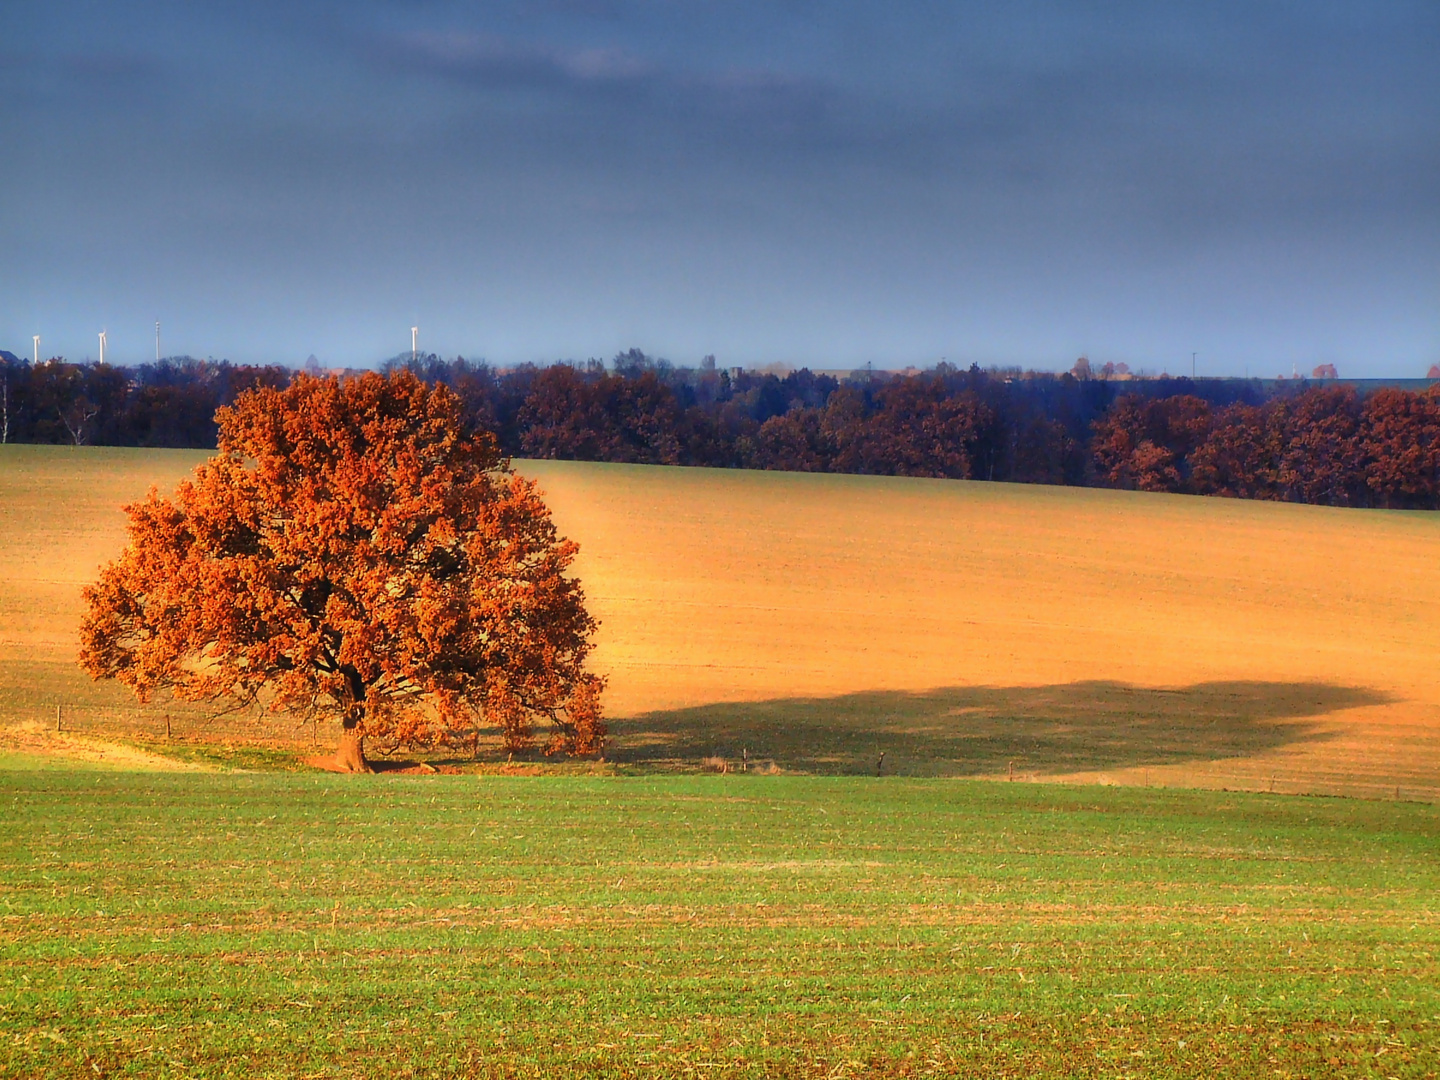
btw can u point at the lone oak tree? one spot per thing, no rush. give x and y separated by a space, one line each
351 551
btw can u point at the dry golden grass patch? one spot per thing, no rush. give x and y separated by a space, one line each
32 738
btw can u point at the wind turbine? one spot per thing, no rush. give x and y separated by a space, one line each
37 349
414 333
102 346
157 341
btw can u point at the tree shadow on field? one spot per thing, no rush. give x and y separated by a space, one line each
969 731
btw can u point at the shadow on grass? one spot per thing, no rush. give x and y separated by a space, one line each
955 731
968 731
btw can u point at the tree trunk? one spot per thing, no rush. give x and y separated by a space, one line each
350 756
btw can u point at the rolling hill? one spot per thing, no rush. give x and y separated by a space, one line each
960 628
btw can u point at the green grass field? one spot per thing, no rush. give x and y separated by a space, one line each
299 925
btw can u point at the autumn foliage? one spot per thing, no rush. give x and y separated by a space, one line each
353 552
1326 445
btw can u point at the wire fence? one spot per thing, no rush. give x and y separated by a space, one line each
1281 784
187 722
1226 776
184 722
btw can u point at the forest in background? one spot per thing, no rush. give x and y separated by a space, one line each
1297 441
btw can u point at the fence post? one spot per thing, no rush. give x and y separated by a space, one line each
167 727
57 719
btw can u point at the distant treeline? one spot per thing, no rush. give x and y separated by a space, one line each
1297 442
170 403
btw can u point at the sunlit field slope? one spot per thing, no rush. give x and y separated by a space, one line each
959 628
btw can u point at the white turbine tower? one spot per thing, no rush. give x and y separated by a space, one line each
102 346
414 335
37 349
157 341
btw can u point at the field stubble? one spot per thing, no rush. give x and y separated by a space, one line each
814 622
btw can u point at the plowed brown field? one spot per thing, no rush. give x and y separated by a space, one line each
960 628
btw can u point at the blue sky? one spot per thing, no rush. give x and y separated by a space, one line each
808 183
